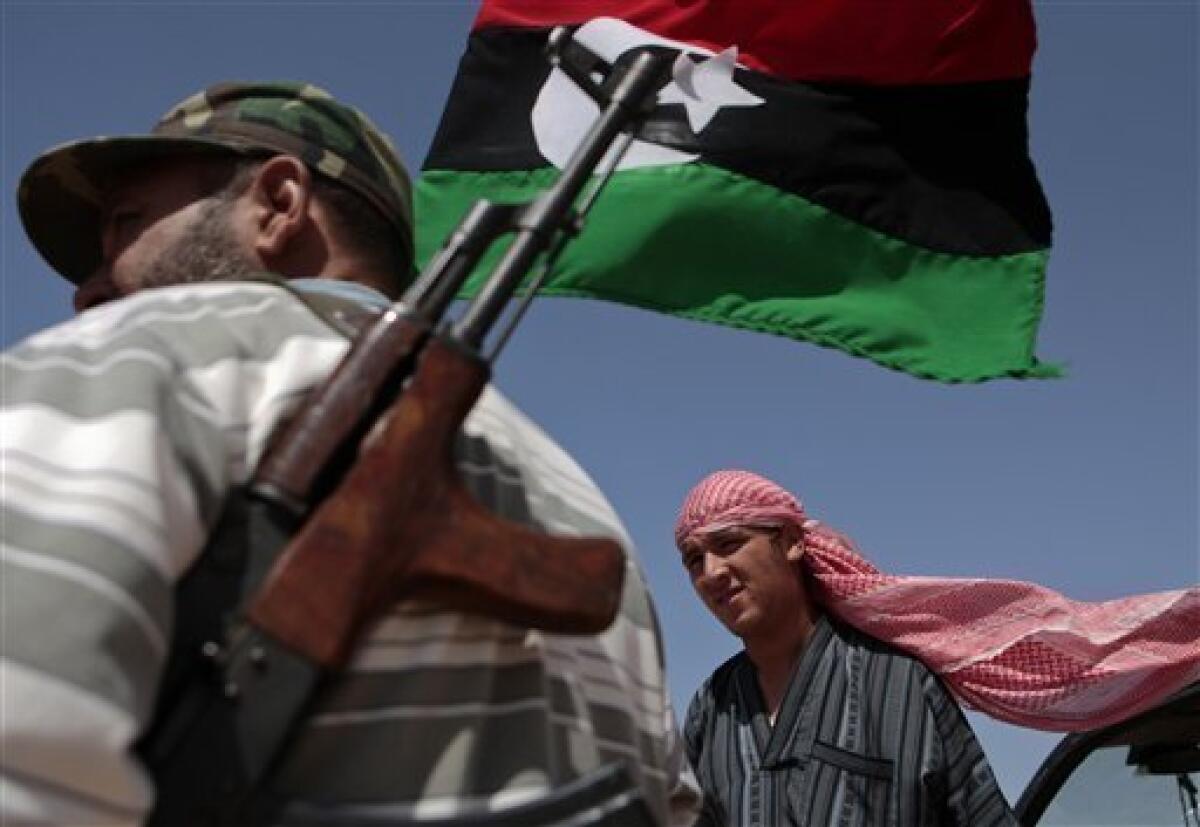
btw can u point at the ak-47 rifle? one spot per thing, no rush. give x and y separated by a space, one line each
361 493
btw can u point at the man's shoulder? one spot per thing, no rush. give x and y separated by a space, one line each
888 661
884 653
168 312
562 496
716 692
721 683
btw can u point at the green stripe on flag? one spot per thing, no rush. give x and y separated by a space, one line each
702 243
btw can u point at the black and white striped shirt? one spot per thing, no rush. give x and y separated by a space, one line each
865 735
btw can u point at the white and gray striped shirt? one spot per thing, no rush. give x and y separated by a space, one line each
122 433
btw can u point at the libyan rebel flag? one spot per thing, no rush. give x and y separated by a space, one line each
853 173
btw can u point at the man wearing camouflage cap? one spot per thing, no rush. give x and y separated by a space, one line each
334 177
125 431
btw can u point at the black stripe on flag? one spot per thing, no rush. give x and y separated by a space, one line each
942 167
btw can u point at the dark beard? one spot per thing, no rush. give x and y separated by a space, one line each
208 251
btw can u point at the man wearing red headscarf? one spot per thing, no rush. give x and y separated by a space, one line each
837 710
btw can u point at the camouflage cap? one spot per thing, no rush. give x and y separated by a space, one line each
60 196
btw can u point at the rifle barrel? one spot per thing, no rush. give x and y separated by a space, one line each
541 222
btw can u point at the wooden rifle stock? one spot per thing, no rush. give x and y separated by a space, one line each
402 524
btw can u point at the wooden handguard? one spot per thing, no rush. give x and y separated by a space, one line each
402 524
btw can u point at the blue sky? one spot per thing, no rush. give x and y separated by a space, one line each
1086 484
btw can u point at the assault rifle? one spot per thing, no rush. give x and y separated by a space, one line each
357 501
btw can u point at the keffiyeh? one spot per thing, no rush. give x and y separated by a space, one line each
1016 651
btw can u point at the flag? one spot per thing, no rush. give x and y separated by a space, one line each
852 173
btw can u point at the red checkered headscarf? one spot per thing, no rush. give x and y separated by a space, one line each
1014 650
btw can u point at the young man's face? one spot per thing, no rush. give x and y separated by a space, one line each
748 578
163 227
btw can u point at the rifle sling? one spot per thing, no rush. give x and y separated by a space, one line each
231 695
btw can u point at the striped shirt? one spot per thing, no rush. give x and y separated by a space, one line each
121 434
865 735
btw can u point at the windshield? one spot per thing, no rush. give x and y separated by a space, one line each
1106 789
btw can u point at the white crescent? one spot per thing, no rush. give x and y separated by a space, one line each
563 112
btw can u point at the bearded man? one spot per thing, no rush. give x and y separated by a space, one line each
221 263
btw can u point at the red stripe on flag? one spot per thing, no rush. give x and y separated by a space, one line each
883 42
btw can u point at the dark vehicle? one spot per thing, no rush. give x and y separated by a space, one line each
1143 772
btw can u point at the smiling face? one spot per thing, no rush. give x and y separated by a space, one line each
165 225
749 578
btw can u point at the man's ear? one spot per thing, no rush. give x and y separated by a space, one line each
793 543
282 190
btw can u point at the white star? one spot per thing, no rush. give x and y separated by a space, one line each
703 88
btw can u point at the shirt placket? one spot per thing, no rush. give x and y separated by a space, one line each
786 747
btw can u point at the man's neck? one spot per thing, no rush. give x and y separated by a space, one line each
775 657
362 275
